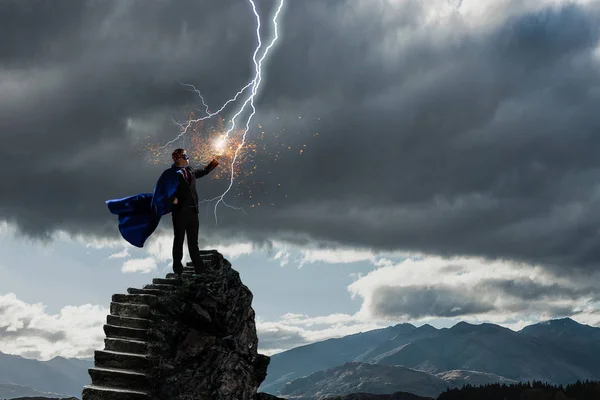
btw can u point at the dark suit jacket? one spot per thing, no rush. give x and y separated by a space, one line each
186 194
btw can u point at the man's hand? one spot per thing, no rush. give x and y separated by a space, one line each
212 165
175 201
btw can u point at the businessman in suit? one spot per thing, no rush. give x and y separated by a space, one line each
185 210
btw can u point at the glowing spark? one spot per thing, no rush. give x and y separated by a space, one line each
255 86
219 144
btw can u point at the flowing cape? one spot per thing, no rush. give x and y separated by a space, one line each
140 214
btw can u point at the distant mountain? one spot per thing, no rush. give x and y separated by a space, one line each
304 360
75 368
563 330
59 375
393 345
498 350
367 378
369 396
382 379
558 351
12 391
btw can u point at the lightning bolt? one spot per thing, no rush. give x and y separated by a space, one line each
185 126
255 84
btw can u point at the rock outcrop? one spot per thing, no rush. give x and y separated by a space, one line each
181 339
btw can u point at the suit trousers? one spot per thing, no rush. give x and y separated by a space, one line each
185 223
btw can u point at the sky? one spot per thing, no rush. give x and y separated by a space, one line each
408 161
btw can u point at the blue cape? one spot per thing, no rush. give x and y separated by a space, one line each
140 214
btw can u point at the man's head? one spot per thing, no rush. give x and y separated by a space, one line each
180 158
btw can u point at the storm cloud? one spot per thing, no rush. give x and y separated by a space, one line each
51 337
418 302
500 297
439 130
498 291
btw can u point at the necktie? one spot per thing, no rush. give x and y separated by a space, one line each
186 175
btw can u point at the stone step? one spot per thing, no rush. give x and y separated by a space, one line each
205 260
129 310
119 378
214 261
126 333
205 264
162 288
172 275
93 392
193 269
208 253
156 292
162 281
115 359
148 299
128 322
126 345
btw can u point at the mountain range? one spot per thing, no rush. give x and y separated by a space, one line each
382 379
13 391
63 376
400 358
558 351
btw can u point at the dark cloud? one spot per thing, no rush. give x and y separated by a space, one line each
24 328
527 289
280 338
492 296
423 301
52 337
447 140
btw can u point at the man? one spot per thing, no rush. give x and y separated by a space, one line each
140 214
185 209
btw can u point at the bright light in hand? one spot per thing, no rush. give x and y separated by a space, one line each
219 144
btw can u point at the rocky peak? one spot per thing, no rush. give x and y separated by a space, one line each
180 339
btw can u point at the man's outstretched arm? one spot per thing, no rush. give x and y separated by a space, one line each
200 172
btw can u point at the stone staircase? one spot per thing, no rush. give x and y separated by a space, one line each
120 370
